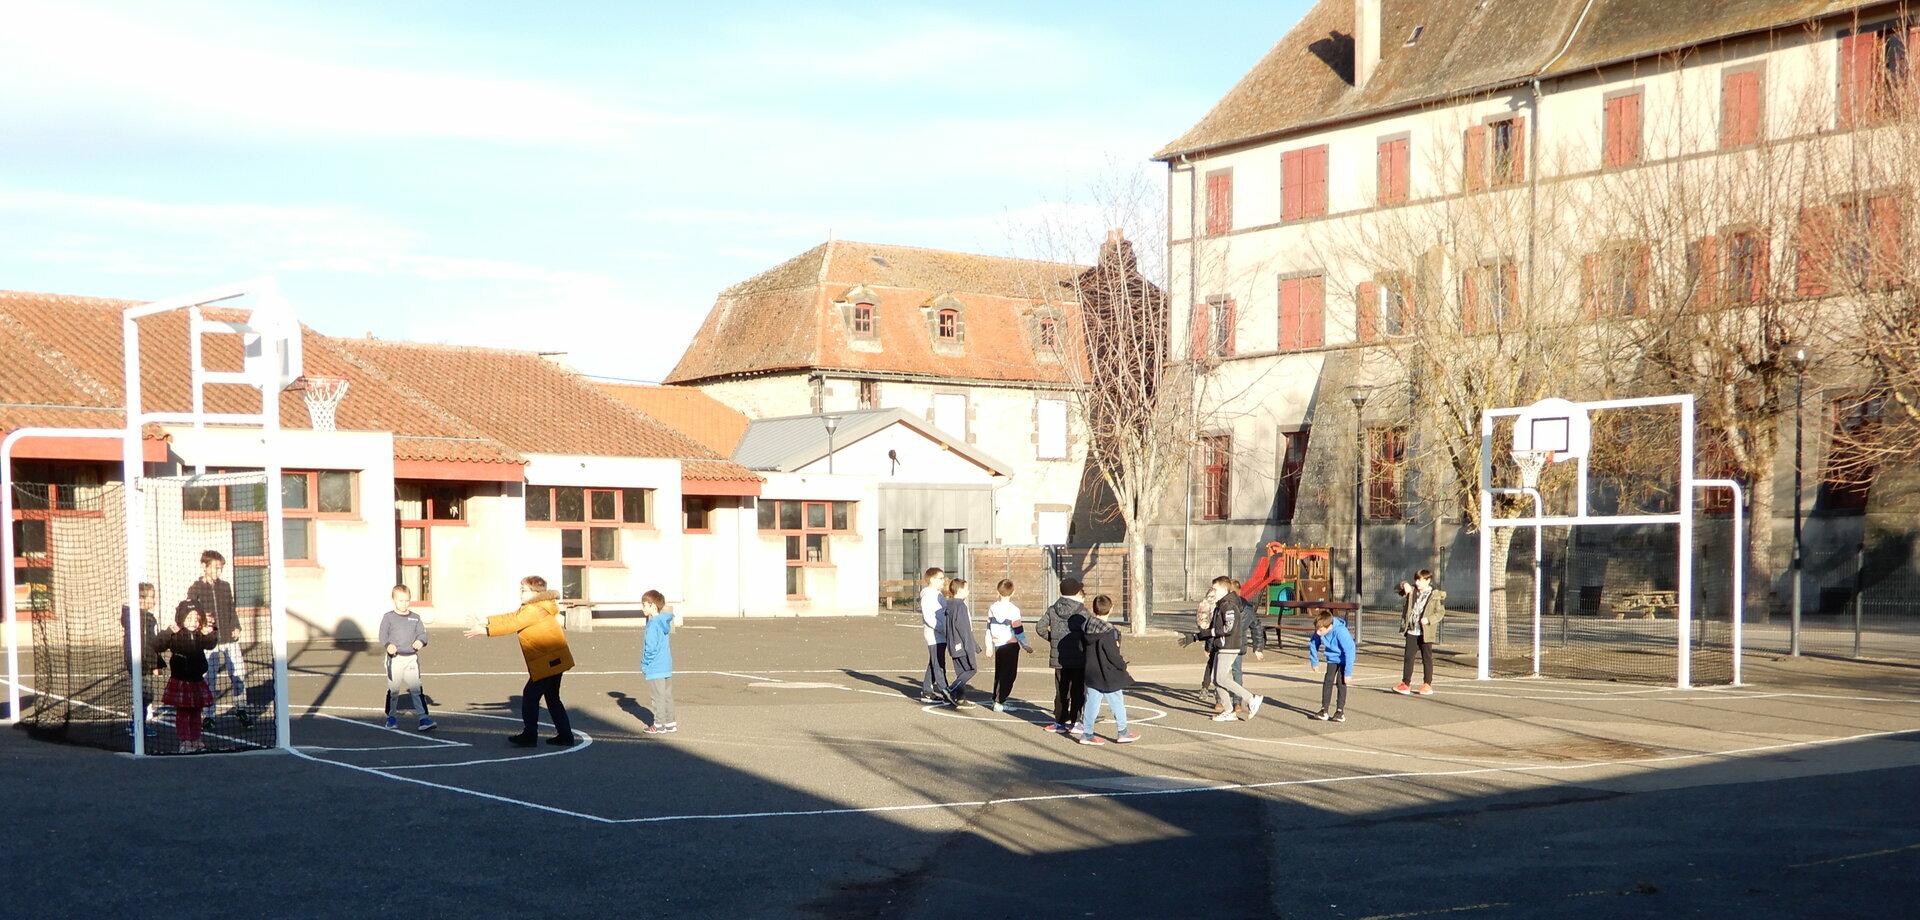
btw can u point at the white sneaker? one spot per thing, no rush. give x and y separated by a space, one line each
1226 717
1253 708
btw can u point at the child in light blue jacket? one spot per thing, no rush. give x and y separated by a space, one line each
656 661
1331 647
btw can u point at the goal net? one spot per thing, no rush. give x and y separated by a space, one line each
206 542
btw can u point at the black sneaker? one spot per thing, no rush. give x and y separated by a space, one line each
1340 716
1321 715
567 741
521 740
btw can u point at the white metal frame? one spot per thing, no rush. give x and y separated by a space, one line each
270 341
1582 516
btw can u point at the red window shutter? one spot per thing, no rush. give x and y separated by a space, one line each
1366 307
1476 158
1229 324
1813 245
1313 312
1518 171
1199 330
1642 275
1858 65
1219 202
1289 314
1761 278
1316 190
1740 109
1591 287
1292 185
1703 257
1510 298
1392 188
1403 292
1622 131
1887 232
1470 300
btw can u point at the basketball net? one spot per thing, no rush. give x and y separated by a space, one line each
1531 463
323 395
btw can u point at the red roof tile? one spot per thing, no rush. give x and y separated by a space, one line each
790 317
693 413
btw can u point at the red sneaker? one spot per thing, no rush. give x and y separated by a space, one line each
1402 688
1426 689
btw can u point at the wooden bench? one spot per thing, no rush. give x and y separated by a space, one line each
902 589
1300 609
1648 603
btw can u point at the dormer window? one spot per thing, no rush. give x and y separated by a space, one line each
949 324
859 311
863 319
946 319
1049 332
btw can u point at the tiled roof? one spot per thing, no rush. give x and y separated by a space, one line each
712 423
1464 47
787 317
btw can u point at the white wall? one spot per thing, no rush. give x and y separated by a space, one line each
920 459
851 585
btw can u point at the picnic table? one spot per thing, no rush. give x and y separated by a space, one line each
1648 603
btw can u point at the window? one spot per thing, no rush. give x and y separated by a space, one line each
1873 74
1051 419
244 507
1382 307
42 495
1293 461
1846 478
863 319
949 324
950 413
1748 258
1871 234
956 538
1620 122
913 554
1386 472
1197 330
1049 332
1394 172
1615 281
589 521
1219 201
807 528
1052 526
1489 297
1496 153
1220 321
869 394
1216 473
1303 313
1740 108
1813 245
696 513
1303 183
418 509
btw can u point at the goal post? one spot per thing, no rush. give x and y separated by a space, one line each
1602 526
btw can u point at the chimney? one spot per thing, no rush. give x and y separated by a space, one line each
1366 40
1116 235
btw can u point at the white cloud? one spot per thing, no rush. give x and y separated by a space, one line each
162 71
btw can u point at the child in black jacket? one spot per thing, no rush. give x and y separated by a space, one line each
186 643
1107 676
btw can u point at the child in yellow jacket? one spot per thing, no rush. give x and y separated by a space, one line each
544 646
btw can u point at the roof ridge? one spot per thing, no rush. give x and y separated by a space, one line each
116 303
440 346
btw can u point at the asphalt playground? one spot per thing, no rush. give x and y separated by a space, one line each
808 782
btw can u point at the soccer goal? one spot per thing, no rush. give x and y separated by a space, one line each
1602 555
105 569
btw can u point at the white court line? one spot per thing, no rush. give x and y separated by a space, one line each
585 741
411 736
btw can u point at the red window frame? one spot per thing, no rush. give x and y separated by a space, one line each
1615 281
807 544
1303 312
1489 297
947 324
1216 477
1495 153
441 505
1874 73
863 319
1049 332
24 564
1222 318
869 395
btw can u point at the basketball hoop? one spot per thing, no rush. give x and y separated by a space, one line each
1531 462
323 395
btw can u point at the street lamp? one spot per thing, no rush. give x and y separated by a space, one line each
832 422
1797 357
1359 394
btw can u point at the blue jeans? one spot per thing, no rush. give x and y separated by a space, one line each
1091 712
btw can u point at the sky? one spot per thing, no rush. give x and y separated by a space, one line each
578 177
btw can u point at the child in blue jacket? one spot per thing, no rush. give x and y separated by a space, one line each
1331 646
656 661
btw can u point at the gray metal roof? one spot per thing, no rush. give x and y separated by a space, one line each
789 443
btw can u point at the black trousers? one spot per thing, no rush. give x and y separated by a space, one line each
1426 659
547 688
1069 694
1006 667
1336 676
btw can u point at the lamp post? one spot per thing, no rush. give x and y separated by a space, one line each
1359 394
832 422
1797 357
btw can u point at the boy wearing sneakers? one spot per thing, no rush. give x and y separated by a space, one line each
1107 676
1331 648
656 661
933 628
1224 634
403 634
1419 621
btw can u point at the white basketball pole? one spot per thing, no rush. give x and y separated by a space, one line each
1684 612
1484 670
133 469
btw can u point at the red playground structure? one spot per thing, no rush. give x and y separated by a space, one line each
1289 575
